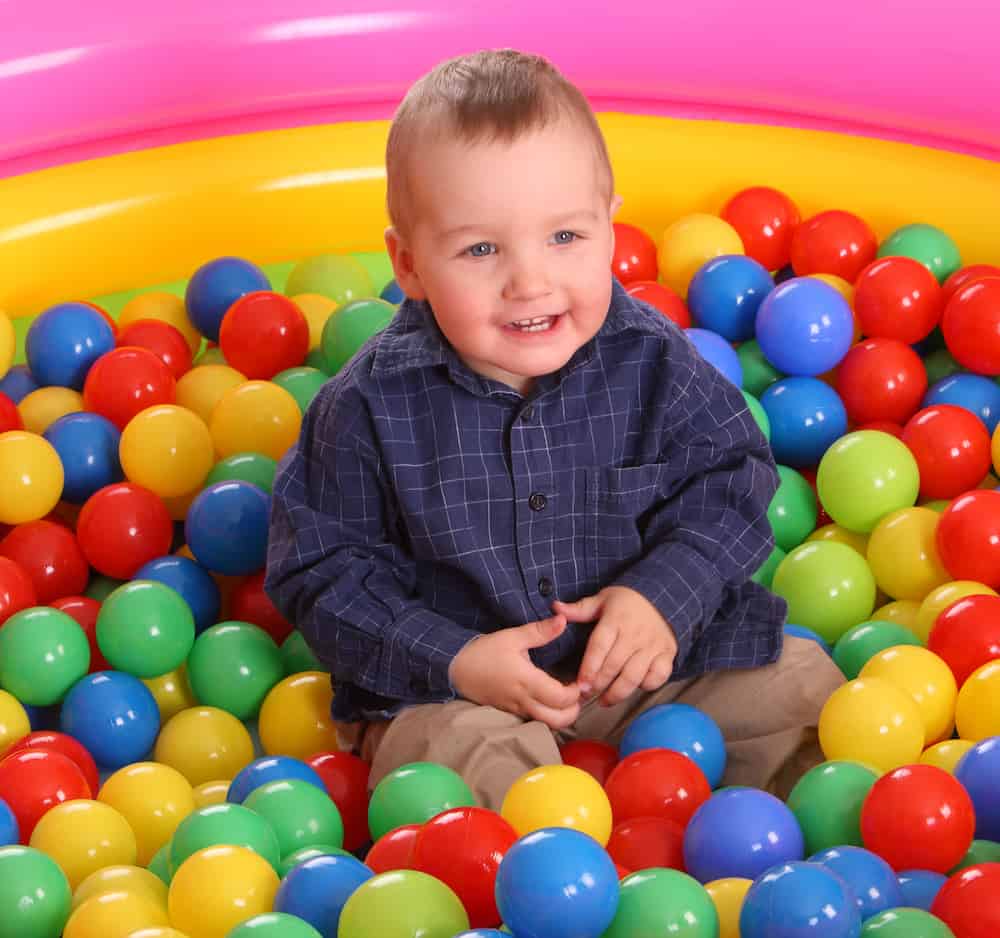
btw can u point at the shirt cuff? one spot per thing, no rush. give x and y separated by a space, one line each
423 646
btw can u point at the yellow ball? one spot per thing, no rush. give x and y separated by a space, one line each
727 895
213 792
172 693
165 307
204 743
14 722
43 407
158 932
317 309
153 798
834 532
871 721
257 417
977 713
845 289
940 598
295 717
903 556
217 888
31 477
114 915
201 388
691 241
945 755
558 796
132 879
8 343
167 449
83 836
901 611
926 678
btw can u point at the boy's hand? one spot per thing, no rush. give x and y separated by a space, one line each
631 645
495 670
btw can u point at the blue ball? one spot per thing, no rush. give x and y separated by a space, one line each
114 715
317 890
804 327
978 771
215 286
9 831
87 445
271 769
807 416
740 832
682 728
392 292
725 293
717 352
794 900
557 883
872 880
920 887
64 341
18 383
226 527
192 581
973 392
800 631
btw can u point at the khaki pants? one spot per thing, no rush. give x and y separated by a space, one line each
767 715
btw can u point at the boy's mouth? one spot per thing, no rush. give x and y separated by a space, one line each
535 324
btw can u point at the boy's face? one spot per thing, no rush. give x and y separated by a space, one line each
511 244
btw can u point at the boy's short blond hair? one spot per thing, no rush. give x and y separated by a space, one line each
495 94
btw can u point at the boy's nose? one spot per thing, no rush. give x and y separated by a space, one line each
527 280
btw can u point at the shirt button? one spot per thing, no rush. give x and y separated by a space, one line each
545 586
537 501
528 413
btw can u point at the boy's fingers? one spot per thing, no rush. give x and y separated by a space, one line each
599 645
586 609
554 718
613 665
536 634
546 690
660 669
627 681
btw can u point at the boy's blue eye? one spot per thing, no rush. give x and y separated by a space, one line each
565 237
483 249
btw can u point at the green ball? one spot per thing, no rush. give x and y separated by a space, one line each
145 628
340 277
937 504
210 355
303 383
34 894
316 359
160 864
659 901
255 468
297 656
414 793
226 823
905 923
765 573
101 587
232 666
792 511
759 414
981 851
402 904
857 646
940 365
43 653
827 802
864 476
300 814
293 859
274 925
350 326
758 373
931 246
828 586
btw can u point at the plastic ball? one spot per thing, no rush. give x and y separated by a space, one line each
689 243
41 408
872 879
806 416
51 741
919 887
718 353
87 446
64 342
122 878
968 902
345 777
857 646
765 572
43 653
32 782
977 710
635 254
951 447
255 468
664 900
203 387
14 722
17 383
900 612
31 477
34 894
9 831
125 382
340 277
8 342
223 824
303 383
967 537
399 904
256 416
977 772
189 579
163 307
317 890
17 591
881 379
978 395
393 850
897 298
765 219
50 555
226 527
725 293
295 716
163 340
656 783
297 656
116 914
645 842
393 293
209 793
167 449
172 693
759 414
214 288
905 923
317 310
248 602
903 555
833 242
350 327
269 769
937 600
263 333
203 744
966 275
10 416
300 856
930 246
662 298
300 813
946 754
274 925
682 728
792 511
827 802
413 794
970 325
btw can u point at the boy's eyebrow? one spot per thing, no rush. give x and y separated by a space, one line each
588 214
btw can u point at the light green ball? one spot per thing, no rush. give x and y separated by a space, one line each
931 246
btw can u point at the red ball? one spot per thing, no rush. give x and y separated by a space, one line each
968 537
17 592
656 783
881 379
162 339
346 779
663 298
884 426
969 902
67 746
833 242
822 518
10 416
952 448
126 380
971 326
645 842
249 603
393 850
966 635
107 316
35 780
263 333
765 220
50 554
964 276
463 848
593 756
918 817
121 527
84 610
897 298
635 254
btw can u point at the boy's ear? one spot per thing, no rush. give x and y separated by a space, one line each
402 265
616 204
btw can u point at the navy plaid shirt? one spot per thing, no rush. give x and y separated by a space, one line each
425 504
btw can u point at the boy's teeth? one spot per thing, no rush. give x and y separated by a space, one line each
538 320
